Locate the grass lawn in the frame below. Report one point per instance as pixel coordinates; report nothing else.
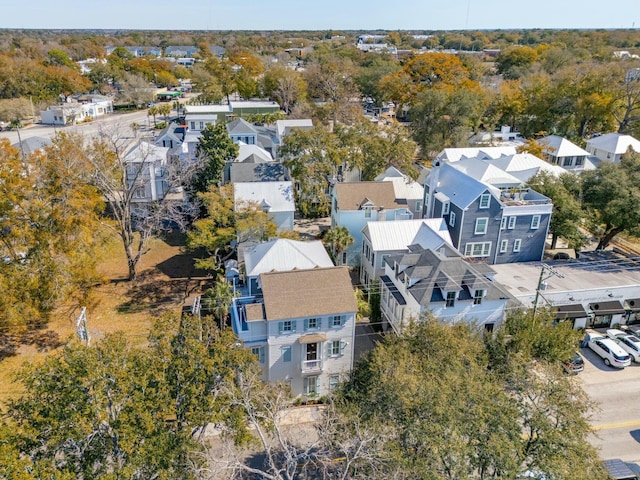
(166, 278)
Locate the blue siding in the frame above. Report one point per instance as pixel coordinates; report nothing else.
(474, 212)
(532, 240)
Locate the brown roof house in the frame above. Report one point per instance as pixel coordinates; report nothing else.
(301, 329)
(354, 204)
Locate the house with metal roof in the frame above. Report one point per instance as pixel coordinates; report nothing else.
(451, 289)
(611, 146)
(501, 223)
(280, 255)
(382, 239)
(301, 329)
(242, 131)
(353, 204)
(566, 154)
(405, 188)
(275, 198)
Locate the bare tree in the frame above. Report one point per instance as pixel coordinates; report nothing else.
(142, 187)
(285, 451)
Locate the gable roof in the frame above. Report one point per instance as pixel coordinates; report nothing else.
(284, 255)
(525, 165)
(399, 234)
(353, 195)
(461, 188)
(486, 172)
(32, 144)
(284, 126)
(434, 273)
(259, 154)
(278, 195)
(306, 293)
(483, 153)
(616, 143)
(561, 147)
(240, 127)
(403, 185)
(249, 171)
(146, 152)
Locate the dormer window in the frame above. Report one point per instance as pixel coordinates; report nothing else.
(478, 296)
(451, 299)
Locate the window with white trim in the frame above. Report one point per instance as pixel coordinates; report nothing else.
(516, 244)
(512, 223)
(481, 226)
(311, 385)
(445, 208)
(336, 348)
(287, 326)
(477, 249)
(504, 245)
(485, 200)
(334, 381)
(452, 219)
(419, 206)
(312, 324)
(367, 212)
(503, 223)
(336, 321)
(535, 222)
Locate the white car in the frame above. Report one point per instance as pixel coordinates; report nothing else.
(629, 343)
(611, 353)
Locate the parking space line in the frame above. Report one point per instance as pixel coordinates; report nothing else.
(630, 423)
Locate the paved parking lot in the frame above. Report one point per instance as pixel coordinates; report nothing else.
(617, 422)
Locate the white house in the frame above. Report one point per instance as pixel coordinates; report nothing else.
(147, 172)
(280, 255)
(76, 112)
(406, 189)
(611, 146)
(382, 239)
(302, 328)
(450, 288)
(353, 204)
(560, 151)
(598, 290)
(275, 198)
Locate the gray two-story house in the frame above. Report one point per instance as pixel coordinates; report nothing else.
(485, 222)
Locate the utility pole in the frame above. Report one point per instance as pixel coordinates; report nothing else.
(546, 272)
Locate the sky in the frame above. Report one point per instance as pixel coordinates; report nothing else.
(318, 15)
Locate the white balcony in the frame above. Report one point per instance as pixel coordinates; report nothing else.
(312, 366)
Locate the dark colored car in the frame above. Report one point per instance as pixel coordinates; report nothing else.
(574, 365)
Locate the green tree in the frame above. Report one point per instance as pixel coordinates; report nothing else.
(465, 418)
(49, 218)
(566, 218)
(515, 61)
(226, 221)
(338, 239)
(214, 150)
(285, 86)
(612, 198)
(445, 118)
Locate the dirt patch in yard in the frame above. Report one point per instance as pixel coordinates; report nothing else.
(166, 278)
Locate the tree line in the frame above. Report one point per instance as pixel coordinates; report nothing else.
(440, 402)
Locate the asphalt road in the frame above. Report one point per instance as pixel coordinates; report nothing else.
(616, 423)
(122, 121)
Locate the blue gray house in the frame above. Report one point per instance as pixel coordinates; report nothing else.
(494, 225)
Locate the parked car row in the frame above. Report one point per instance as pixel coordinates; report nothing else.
(617, 348)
